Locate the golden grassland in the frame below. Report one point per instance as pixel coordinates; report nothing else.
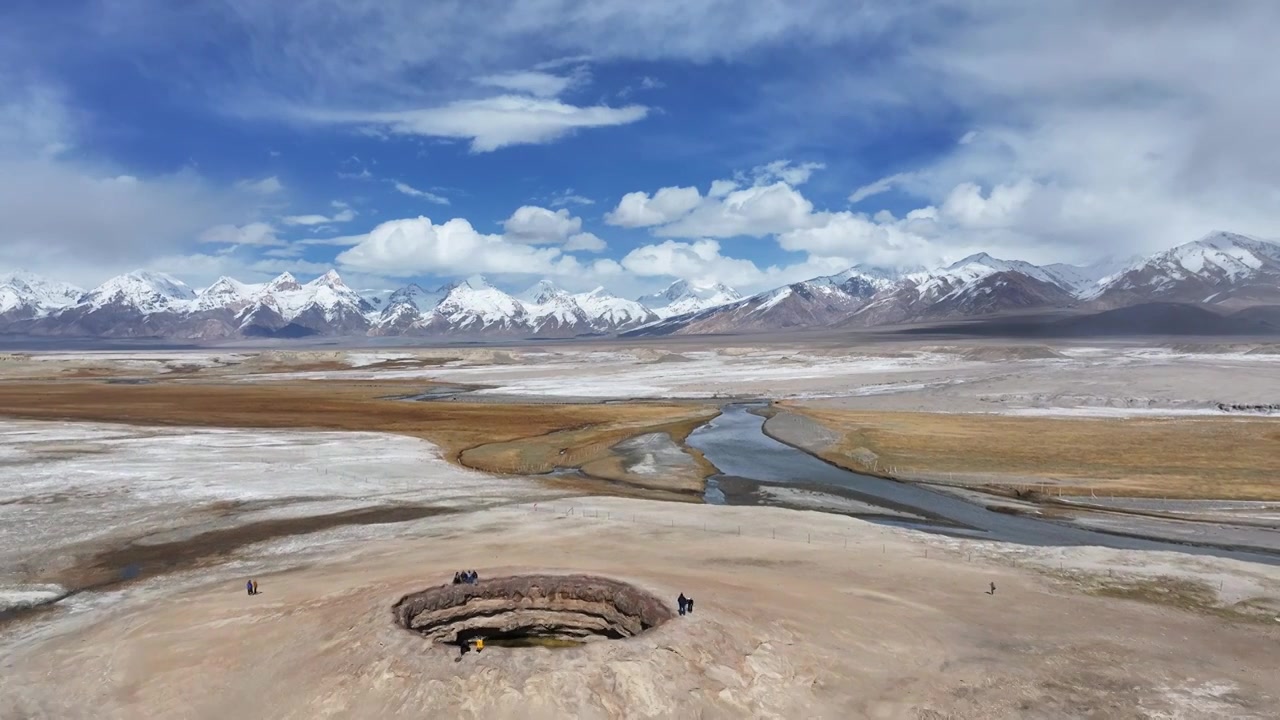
(1198, 457)
(501, 438)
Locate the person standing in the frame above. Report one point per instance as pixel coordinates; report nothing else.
(255, 587)
(248, 586)
(689, 604)
(682, 602)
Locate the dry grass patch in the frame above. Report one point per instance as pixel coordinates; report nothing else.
(1221, 458)
(1177, 592)
(585, 431)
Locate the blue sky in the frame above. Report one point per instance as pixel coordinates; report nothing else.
(754, 142)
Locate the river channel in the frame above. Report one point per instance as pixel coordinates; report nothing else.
(736, 444)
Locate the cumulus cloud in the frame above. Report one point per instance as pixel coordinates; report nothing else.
(407, 189)
(755, 211)
(702, 263)
(638, 209)
(417, 246)
(488, 123)
(539, 226)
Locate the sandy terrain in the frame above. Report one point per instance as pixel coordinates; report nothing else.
(339, 499)
(782, 629)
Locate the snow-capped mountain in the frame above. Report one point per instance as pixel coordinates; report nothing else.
(405, 309)
(681, 298)
(226, 293)
(553, 311)
(1221, 268)
(140, 290)
(325, 306)
(1081, 279)
(977, 285)
(608, 312)
(474, 306)
(812, 303)
(25, 295)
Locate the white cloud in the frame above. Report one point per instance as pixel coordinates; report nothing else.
(585, 242)
(637, 209)
(415, 246)
(701, 262)
(850, 238)
(265, 186)
(883, 185)
(755, 211)
(539, 226)
(345, 214)
(533, 224)
(569, 197)
(784, 171)
(256, 233)
(758, 203)
(489, 123)
(534, 82)
(411, 191)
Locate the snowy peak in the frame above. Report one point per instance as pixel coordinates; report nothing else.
(478, 282)
(24, 294)
(542, 293)
(225, 293)
(415, 296)
(682, 297)
(142, 290)
(1221, 268)
(330, 279)
(285, 282)
(474, 305)
(608, 312)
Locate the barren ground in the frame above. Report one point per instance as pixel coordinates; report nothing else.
(339, 499)
(783, 628)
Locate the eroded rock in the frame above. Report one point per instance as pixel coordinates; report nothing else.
(558, 607)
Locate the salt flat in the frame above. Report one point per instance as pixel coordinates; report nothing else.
(964, 376)
(79, 485)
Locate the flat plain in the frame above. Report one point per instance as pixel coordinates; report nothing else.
(143, 488)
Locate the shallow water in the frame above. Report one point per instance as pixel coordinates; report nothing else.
(735, 443)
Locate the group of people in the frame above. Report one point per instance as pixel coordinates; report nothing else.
(251, 586)
(465, 576)
(686, 604)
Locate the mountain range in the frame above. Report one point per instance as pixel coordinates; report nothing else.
(1224, 274)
